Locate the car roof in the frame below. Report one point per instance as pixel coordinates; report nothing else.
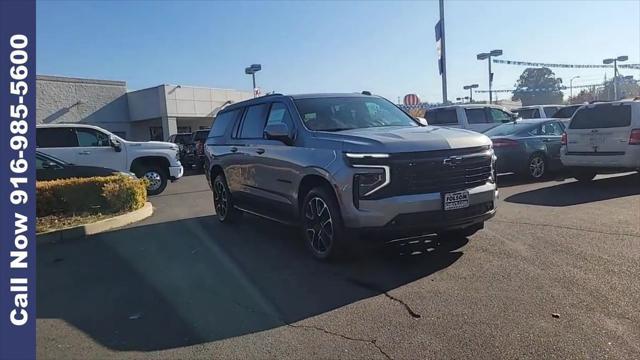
(63, 125)
(535, 121)
(272, 97)
(468, 106)
(537, 106)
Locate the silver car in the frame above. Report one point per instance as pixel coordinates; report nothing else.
(342, 165)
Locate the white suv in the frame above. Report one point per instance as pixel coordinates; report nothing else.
(91, 145)
(537, 111)
(475, 117)
(603, 137)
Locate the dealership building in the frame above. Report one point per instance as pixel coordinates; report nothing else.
(153, 113)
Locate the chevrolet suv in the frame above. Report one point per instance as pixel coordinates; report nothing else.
(340, 165)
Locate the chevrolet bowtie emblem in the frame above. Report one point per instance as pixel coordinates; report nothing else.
(452, 161)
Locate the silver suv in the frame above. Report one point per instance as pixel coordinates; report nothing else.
(340, 165)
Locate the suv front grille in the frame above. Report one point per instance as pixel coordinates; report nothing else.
(423, 173)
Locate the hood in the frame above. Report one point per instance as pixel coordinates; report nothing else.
(405, 139)
(162, 145)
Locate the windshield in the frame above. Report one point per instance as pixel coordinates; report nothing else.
(183, 139)
(344, 113)
(509, 129)
(566, 112)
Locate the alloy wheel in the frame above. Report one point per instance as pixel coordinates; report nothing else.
(318, 225)
(536, 167)
(220, 199)
(154, 178)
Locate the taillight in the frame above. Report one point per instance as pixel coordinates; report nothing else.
(634, 138)
(563, 139)
(504, 143)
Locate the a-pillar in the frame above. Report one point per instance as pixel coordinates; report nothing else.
(169, 127)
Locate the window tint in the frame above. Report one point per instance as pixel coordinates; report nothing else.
(476, 116)
(222, 123)
(39, 162)
(56, 137)
(566, 112)
(499, 116)
(442, 117)
(549, 129)
(200, 135)
(279, 114)
(91, 137)
(254, 121)
(602, 116)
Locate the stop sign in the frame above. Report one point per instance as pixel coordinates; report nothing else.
(411, 99)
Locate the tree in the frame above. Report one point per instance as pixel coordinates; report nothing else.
(538, 78)
(627, 87)
(585, 95)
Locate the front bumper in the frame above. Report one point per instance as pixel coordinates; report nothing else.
(425, 211)
(175, 172)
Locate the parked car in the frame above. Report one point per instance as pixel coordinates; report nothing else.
(199, 138)
(342, 164)
(476, 117)
(52, 168)
(529, 147)
(603, 138)
(537, 111)
(93, 146)
(186, 149)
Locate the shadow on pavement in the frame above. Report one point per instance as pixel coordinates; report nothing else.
(508, 180)
(574, 193)
(192, 281)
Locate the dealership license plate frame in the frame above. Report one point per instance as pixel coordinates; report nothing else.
(450, 202)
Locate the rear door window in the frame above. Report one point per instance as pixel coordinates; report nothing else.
(254, 122)
(499, 116)
(222, 123)
(529, 113)
(602, 116)
(550, 110)
(442, 117)
(476, 116)
(56, 137)
(92, 138)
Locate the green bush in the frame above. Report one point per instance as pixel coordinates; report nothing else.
(94, 195)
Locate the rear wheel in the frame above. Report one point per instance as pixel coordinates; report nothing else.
(322, 226)
(537, 168)
(156, 176)
(222, 201)
(585, 177)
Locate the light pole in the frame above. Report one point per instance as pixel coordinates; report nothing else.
(571, 86)
(470, 88)
(488, 56)
(252, 70)
(615, 72)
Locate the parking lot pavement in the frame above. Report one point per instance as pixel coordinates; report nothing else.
(553, 275)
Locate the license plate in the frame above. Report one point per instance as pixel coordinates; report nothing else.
(456, 200)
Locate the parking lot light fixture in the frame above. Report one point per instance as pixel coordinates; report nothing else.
(571, 85)
(615, 71)
(252, 70)
(488, 56)
(470, 88)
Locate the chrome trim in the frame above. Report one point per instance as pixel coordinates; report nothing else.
(387, 176)
(366, 155)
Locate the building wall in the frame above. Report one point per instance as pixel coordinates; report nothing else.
(70, 100)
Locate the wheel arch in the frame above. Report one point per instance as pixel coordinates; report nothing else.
(145, 161)
(309, 182)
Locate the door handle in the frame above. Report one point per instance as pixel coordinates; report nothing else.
(84, 152)
(233, 149)
(260, 151)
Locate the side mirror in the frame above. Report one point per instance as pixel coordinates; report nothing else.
(115, 144)
(422, 121)
(278, 131)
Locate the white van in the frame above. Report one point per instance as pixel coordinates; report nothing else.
(83, 144)
(476, 117)
(603, 138)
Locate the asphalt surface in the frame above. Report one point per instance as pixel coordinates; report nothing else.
(554, 275)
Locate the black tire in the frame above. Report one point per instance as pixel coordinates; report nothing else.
(157, 177)
(322, 228)
(461, 233)
(537, 167)
(585, 176)
(223, 202)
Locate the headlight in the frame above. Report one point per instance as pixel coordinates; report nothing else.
(367, 183)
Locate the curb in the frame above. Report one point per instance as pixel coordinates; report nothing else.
(58, 236)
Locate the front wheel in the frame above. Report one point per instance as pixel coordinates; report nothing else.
(322, 226)
(156, 177)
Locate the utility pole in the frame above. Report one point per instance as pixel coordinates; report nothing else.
(443, 52)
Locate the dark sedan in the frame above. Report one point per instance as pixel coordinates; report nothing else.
(530, 147)
(52, 168)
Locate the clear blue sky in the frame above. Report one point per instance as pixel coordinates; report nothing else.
(385, 47)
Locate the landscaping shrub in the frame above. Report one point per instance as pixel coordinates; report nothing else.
(94, 195)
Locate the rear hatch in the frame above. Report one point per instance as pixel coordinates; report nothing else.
(600, 129)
